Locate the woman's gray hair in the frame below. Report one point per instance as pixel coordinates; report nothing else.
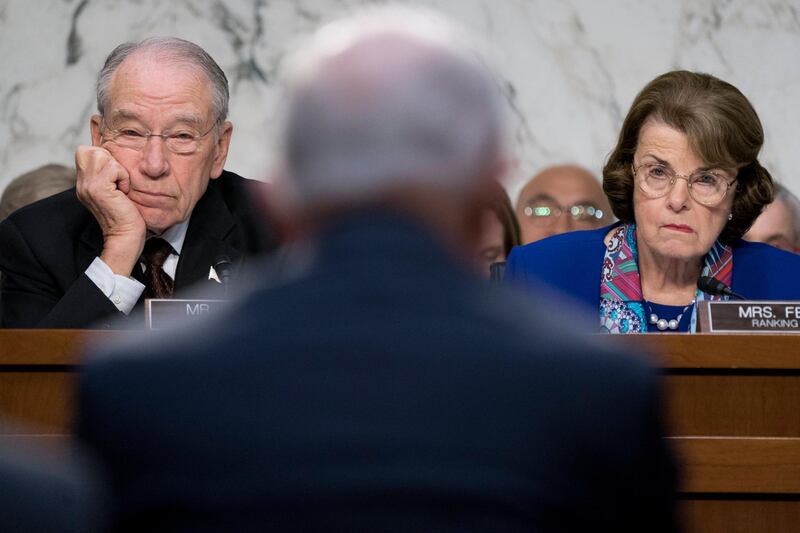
(172, 48)
(389, 98)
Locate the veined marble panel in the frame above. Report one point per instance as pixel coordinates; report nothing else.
(569, 68)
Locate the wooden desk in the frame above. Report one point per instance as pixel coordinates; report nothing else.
(38, 369)
(733, 413)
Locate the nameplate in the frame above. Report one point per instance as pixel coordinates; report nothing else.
(749, 317)
(167, 314)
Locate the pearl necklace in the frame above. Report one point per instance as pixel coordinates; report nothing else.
(662, 323)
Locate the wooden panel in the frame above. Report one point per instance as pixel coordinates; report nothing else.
(739, 465)
(49, 347)
(739, 516)
(727, 387)
(717, 351)
(43, 399)
(733, 405)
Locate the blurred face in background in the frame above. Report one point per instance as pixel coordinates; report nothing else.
(775, 226)
(561, 199)
(490, 246)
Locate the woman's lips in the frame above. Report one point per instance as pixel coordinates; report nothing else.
(682, 228)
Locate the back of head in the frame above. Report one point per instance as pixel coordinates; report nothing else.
(35, 185)
(385, 100)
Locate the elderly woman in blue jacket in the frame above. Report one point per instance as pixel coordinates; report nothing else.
(685, 183)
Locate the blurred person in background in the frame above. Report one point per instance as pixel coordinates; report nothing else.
(779, 224)
(382, 386)
(559, 199)
(499, 230)
(34, 185)
(685, 183)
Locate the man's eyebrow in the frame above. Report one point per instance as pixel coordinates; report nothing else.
(124, 113)
(539, 197)
(183, 118)
(189, 118)
(586, 202)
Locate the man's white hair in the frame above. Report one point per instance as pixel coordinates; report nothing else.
(389, 97)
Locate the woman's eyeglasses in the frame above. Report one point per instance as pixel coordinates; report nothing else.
(705, 187)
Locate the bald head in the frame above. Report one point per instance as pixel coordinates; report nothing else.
(569, 189)
(387, 100)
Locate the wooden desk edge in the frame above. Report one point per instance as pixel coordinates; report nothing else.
(60, 347)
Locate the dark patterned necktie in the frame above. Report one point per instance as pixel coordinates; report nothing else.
(157, 283)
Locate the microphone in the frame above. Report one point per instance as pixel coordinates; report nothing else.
(714, 286)
(223, 268)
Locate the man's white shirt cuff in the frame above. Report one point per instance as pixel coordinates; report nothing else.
(123, 291)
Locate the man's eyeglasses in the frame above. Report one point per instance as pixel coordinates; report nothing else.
(182, 141)
(705, 187)
(543, 213)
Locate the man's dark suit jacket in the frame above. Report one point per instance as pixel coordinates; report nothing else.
(385, 389)
(47, 492)
(46, 247)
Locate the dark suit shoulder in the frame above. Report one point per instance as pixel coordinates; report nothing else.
(244, 199)
(49, 229)
(62, 211)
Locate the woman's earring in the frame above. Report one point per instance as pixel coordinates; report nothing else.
(730, 216)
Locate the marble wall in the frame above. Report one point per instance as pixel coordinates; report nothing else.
(569, 68)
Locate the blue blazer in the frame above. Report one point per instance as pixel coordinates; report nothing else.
(571, 263)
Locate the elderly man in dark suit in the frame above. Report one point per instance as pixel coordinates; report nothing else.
(382, 386)
(153, 208)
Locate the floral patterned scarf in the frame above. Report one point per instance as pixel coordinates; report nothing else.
(621, 300)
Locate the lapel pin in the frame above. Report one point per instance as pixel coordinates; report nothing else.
(212, 274)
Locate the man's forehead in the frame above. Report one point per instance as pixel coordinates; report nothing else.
(149, 80)
(177, 116)
(563, 186)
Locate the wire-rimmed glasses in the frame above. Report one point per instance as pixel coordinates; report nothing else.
(183, 141)
(545, 213)
(706, 187)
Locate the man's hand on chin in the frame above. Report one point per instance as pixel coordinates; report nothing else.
(103, 186)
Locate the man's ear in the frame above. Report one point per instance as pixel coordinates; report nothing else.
(94, 128)
(221, 149)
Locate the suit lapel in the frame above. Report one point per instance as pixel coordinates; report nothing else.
(209, 227)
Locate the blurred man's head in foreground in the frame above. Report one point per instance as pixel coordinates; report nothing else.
(392, 107)
(559, 199)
